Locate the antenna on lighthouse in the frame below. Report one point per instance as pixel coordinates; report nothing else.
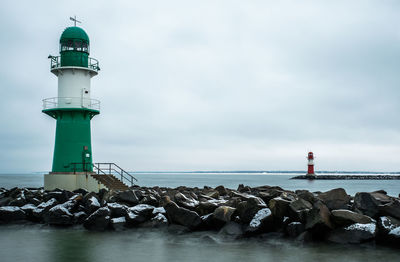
(74, 19)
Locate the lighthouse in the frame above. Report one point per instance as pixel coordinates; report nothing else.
(73, 109)
(310, 171)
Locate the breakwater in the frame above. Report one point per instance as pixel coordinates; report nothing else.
(349, 177)
(332, 216)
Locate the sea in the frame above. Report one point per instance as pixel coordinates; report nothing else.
(33, 242)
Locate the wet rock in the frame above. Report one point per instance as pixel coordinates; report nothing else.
(232, 230)
(279, 207)
(366, 203)
(185, 202)
(206, 207)
(182, 216)
(128, 196)
(318, 220)
(221, 190)
(11, 214)
(261, 222)
(353, 234)
(391, 209)
(335, 198)
(298, 209)
(247, 209)
(343, 217)
(223, 213)
(99, 220)
(294, 229)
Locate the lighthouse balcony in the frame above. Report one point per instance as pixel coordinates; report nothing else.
(80, 61)
(71, 102)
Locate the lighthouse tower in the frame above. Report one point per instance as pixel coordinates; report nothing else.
(72, 108)
(310, 172)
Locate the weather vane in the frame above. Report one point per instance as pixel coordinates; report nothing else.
(74, 19)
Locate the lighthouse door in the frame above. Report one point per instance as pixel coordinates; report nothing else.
(85, 97)
(86, 159)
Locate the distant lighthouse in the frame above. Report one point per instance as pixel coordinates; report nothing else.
(310, 171)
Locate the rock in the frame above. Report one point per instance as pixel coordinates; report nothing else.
(81, 191)
(221, 190)
(232, 230)
(150, 200)
(388, 230)
(318, 220)
(298, 209)
(92, 203)
(247, 209)
(182, 216)
(335, 198)
(294, 229)
(213, 194)
(60, 196)
(353, 234)
(79, 217)
(5, 201)
(185, 202)
(43, 208)
(117, 210)
(158, 221)
(11, 214)
(139, 214)
(279, 207)
(306, 195)
(206, 207)
(223, 213)
(159, 210)
(128, 196)
(343, 217)
(99, 220)
(118, 223)
(391, 209)
(382, 197)
(59, 215)
(261, 222)
(28, 209)
(19, 202)
(367, 204)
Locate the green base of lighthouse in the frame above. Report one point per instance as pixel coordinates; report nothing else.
(73, 147)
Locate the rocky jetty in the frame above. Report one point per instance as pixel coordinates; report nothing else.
(331, 216)
(348, 177)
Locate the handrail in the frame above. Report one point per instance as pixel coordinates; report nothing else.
(71, 102)
(114, 168)
(55, 62)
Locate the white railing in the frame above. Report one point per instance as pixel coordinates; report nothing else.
(71, 102)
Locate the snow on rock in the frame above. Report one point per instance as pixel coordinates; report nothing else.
(160, 218)
(259, 216)
(140, 208)
(159, 210)
(49, 203)
(61, 208)
(94, 202)
(118, 220)
(10, 208)
(371, 227)
(395, 232)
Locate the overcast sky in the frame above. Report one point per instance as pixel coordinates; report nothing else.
(212, 85)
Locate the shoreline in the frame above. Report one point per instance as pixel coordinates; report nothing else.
(332, 216)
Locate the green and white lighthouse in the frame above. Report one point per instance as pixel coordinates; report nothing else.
(73, 109)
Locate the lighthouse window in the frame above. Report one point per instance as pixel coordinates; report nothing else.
(78, 45)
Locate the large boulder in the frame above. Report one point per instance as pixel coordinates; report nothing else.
(306, 195)
(117, 210)
(186, 202)
(231, 230)
(99, 220)
(388, 230)
(28, 209)
(343, 217)
(128, 196)
(294, 229)
(318, 220)
(158, 220)
(247, 209)
(353, 234)
(298, 209)
(59, 215)
(261, 222)
(206, 207)
(279, 207)
(223, 213)
(335, 199)
(221, 190)
(138, 214)
(11, 214)
(391, 209)
(91, 202)
(366, 204)
(43, 208)
(182, 216)
(118, 223)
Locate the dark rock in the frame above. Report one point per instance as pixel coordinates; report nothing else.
(99, 220)
(117, 210)
(382, 197)
(223, 213)
(11, 214)
(306, 195)
(391, 209)
(138, 214)
(128, 196)
(91, 202)
(232, 229)
(79, 217)
(367, 204)
(43, 208)
(353, 234)
(261, 222)
(206, 207)
(294, 229)
(182, 216)
(318, 220)
(19, 202)
(5, 201)
(81, 191)
(59, 215)
(213, 194)
(186, 202)
(279, 207)
(247, 209)
(28, 209)
(60, 196)
(298, 209)
(221, 190)
(150, 200)
(343, 217)
(335, 198)
(118, 223)
(305, 237)
(102, 193)
(157, 221)
(388, 230)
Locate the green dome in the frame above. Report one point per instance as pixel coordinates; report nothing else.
(74, 32)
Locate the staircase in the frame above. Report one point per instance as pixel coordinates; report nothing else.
(110, 181)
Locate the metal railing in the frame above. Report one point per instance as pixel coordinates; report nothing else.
(55, 62)
(71, 102)
(114, 169)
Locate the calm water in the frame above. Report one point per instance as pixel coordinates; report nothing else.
(43, 243)
(230, 180)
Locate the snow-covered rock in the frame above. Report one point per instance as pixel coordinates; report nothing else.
(11, 214)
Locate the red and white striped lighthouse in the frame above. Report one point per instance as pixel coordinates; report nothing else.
(310, 158)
